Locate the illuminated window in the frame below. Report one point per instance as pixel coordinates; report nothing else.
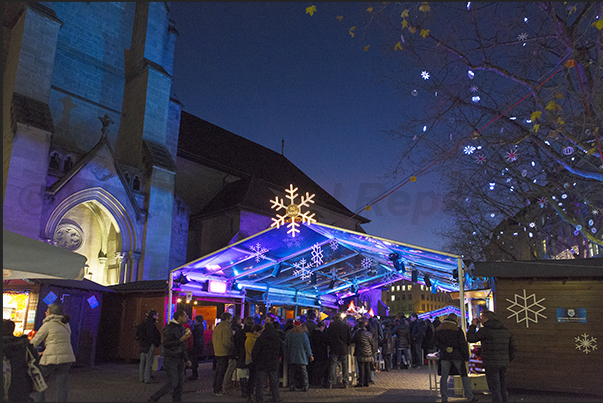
(409, 287)
(422, 287)
(403, 288)
(393, 297)
(393, 288)
(398, 288)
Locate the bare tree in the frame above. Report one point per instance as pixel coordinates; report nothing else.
(510, 110)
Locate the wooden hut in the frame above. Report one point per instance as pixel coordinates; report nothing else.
(554, 309)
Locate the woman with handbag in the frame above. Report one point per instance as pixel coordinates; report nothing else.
(58, 355)
(364, 353)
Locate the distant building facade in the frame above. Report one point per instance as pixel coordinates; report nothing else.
(405, 297)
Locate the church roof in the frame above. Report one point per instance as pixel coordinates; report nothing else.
(215, 147)
(249, 193)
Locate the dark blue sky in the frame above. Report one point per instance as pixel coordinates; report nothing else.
(269, 71)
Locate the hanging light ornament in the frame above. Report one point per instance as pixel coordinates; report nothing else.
(471, 74)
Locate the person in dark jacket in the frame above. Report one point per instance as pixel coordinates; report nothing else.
(364, 353)
(454, 351)
(310, 322)
(338, 336)
(429, 343)
(240, 337)
(318, 369)
(198, 345)
(15, 350)
(149, 337)
(175, 357)
(373, 325)
(298, 354)
(387, 346)
(265, 355)
(436, 322)
(417, 332)
(402, 344)
(498, 350)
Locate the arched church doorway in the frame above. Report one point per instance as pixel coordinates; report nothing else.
(92, 222)
(91, 230)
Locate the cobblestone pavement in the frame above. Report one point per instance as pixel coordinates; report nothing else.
(120, 383)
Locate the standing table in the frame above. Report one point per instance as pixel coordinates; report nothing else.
(432, 365)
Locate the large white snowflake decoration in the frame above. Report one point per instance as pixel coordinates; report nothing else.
(524, 306)
(425, 75)
(293, 211)
(259, 252)
(303, 269)
(586, 344)
(317, 258)
(334, 244)
(469, 150)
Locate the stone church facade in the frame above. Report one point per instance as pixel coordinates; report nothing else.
(100, 158)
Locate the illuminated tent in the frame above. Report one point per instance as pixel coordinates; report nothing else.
(24, 257)
(320, 265)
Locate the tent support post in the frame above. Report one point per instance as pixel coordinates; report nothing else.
(462, 295)
(170, 296)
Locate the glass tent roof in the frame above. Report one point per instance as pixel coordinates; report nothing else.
(321, 262)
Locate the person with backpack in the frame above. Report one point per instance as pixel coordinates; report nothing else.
(57, 356)
(17, 382)
(148, 337)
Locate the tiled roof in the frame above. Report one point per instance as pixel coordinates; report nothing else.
(249, 193)
(210, 145)
(31, 112)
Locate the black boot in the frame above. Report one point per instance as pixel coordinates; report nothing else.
(243, 387)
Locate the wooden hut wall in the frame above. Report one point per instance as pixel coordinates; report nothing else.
(121, 313)
(547, 356)
(84, 321)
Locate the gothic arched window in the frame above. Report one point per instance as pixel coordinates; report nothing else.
(55, 160)
(67, 164)
(136, 183)
(127, 178)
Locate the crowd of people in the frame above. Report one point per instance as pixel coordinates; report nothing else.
(253, 353)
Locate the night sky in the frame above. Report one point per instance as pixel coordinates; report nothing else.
(269, 71)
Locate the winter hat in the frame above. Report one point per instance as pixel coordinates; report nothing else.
(297, 323)
(452, 317)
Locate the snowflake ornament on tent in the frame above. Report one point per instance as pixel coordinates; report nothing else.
(367, 263)
(293, 211)
(390, 278)
(527, 307)
(542, 202)
(586, 344)
(480, 159)
(259, 252)
(333, 244)
(303, 269)
(522, 37)
(425, 75)
(317, 258)
(473, 88)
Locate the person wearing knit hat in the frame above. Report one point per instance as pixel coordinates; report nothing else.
(454, 352)
(296, 323)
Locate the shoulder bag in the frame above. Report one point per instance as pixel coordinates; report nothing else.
(39, 384)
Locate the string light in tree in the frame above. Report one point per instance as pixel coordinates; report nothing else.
(469, 149)
(293, 211)
(512, 156)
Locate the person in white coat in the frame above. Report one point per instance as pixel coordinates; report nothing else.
(57, 356)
